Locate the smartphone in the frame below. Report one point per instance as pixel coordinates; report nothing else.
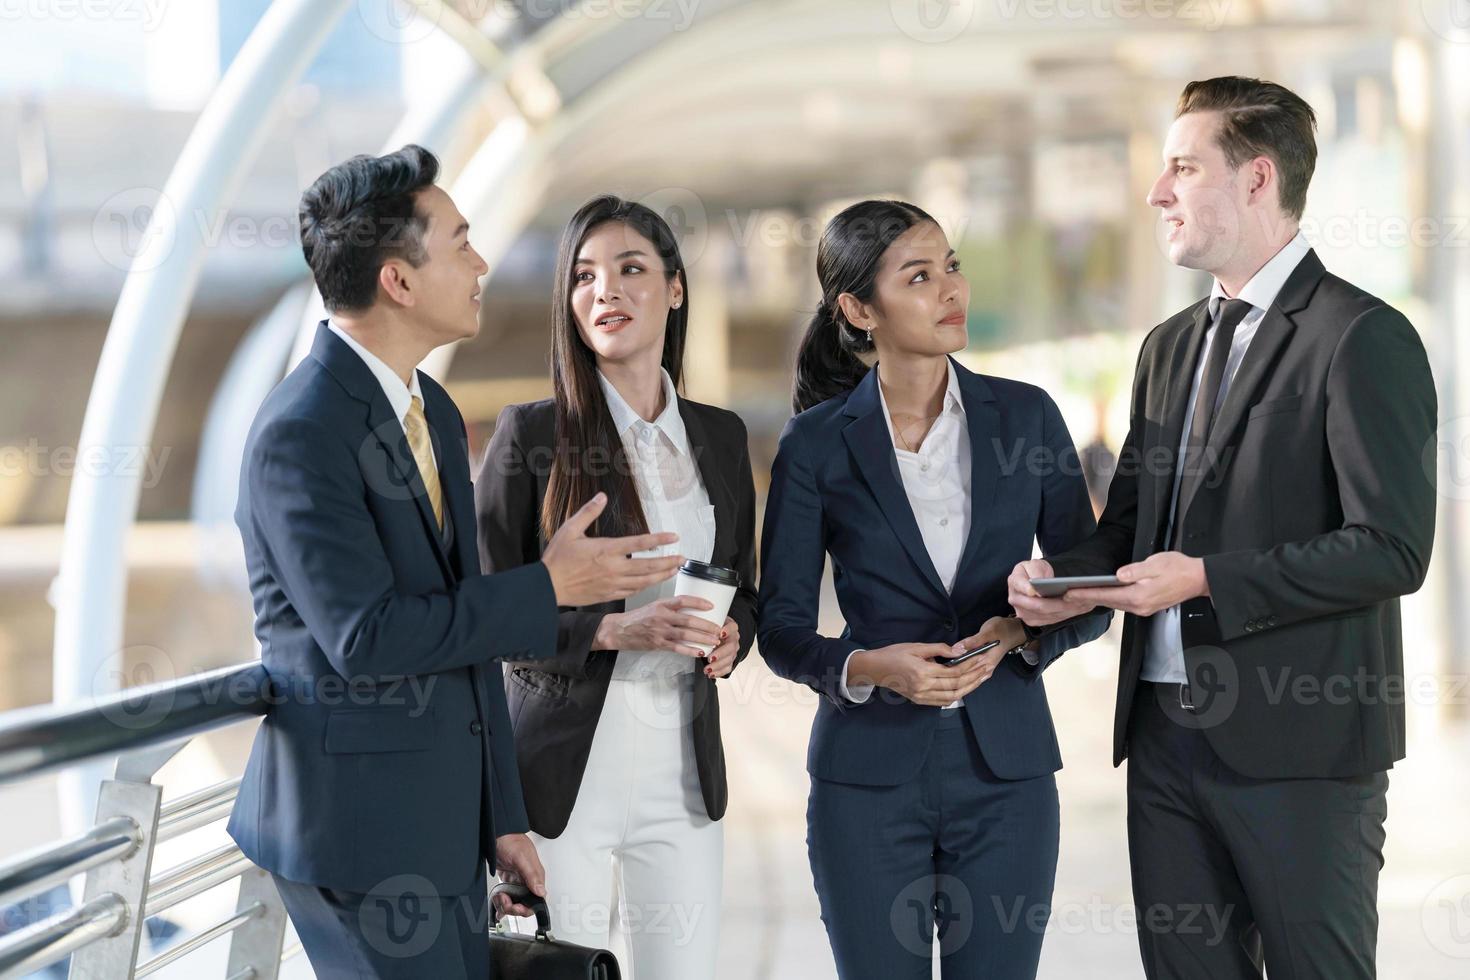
(1050, 588)
(951, 661)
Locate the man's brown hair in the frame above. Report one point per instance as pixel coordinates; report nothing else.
(1261, 119)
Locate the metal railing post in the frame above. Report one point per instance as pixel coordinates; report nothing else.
(256, 945)
(132, 794)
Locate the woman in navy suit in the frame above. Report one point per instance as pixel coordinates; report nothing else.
(933, 805)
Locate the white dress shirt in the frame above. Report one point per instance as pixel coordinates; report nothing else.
(674, 499)
(1163, 660)
(936, 479)
(400, 395)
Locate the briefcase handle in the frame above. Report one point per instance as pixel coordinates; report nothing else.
(522, 895)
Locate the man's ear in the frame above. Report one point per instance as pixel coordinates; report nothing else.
(1261, 176)
(394, 279)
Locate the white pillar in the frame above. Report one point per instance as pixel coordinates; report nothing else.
(1448, 291)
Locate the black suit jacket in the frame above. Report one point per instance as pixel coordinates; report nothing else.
(387, 749)
(555, 703)
(1316, 514)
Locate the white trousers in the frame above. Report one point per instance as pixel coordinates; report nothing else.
(640, 866)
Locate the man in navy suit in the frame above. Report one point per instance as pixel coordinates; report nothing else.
(384, 779)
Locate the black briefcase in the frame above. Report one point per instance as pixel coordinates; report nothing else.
(541, 957)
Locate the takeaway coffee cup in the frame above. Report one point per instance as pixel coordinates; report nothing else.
(707, 582)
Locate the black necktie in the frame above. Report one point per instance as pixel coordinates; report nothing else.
(1232, 311)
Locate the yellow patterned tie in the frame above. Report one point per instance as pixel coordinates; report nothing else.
(417, 430)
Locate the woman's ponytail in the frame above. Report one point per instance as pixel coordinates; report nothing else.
(827, 362)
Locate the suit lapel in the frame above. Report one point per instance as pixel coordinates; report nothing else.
(1271, 337)
(710, 470)
(394, 474)
(871, 447)
(984, 422)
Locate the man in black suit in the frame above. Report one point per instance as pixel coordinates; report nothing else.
(383, 780)
(1270, 508)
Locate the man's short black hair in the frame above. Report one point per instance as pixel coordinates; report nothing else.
(358, 215)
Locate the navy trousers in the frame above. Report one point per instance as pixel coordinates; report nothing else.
(406, 930)
(955, 854)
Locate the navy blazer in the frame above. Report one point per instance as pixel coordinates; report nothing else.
(387, 750)
(836, 490)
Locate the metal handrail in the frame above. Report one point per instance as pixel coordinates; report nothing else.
(40, 869)
(205, 807)
(50, 939)
(194, 877)
(37, 740)
(199, 800)
(199, 939)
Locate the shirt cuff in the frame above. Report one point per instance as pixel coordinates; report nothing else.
(858, 693)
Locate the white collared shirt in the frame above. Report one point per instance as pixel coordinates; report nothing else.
(674, 498)
(400, 395)
(936, 480)
(1163, 660)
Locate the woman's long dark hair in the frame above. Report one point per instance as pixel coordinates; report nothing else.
(827, 362)
(589, 453)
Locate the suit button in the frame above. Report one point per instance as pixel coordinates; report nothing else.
(476, 728)
(948, 625)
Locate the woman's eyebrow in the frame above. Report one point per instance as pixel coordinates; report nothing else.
(920, 261)
(621, 255)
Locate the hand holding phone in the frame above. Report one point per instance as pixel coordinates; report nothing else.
(953, 661)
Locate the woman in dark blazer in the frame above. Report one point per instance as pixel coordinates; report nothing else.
(618, 736)
(933, 803)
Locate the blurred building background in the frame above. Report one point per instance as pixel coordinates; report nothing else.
(1030, 128)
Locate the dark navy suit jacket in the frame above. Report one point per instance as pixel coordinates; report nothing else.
(835, 490)
(388, 748)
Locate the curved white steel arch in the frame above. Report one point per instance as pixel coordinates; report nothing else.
(91, 585)
(505, 216)
(122, 407)
(503, 159)
(255, 368)
(248, 378)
